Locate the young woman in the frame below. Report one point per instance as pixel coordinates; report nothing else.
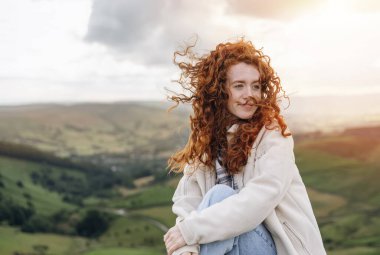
(241, 191)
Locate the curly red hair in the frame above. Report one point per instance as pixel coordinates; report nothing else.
(204, 78)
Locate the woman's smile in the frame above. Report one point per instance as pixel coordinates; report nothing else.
(247, 107)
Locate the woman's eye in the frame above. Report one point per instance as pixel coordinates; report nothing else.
(256, 86)
(238, 85)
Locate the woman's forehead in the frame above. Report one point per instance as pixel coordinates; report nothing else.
(242, 71)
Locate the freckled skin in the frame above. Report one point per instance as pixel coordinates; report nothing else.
(243, 83)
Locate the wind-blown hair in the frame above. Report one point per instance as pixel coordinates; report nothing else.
(204, 79)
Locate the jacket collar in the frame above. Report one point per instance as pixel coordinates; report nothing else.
(232, 129)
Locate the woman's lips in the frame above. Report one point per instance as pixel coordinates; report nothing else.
(247, 106)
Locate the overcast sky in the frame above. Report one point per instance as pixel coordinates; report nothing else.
(112, 50)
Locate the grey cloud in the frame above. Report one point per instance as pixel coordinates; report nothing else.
(148, 31)
(124, 26)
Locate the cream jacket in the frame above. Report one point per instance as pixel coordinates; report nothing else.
(271, 191)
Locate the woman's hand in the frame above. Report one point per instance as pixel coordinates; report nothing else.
(189, 253)
(174, 240)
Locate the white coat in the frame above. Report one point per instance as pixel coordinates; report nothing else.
(271, 191)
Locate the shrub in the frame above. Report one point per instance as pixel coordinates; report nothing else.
(37, 223)
(93, 224)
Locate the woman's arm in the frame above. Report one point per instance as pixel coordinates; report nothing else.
(244, 211)
(186, 199)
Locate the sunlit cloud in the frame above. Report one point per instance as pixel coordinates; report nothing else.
(272, 9)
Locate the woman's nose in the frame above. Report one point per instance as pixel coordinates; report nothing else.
(248, 92)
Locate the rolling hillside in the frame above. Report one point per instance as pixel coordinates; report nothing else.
(111, 134)
(344, 169)
(86, 129)
(134, 234)
(18, 186)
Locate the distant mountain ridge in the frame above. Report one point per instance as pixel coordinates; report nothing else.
(120, 133)
(87, 129)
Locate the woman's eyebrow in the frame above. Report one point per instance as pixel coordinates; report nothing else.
(242, 81)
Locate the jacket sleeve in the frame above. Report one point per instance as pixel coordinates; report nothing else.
(186, 199)
(244, 211)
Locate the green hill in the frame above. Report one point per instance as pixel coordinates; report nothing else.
(19, 186)
(92, 129)
(345, 167)
(126, 235)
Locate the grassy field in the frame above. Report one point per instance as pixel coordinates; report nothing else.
(45, 202)
(155, 195)
(132, 231)
(325, 203)
(115, 241)
(13, 240)
(356, 251)
(161, 213)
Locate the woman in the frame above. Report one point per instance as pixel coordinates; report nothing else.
(241, 192)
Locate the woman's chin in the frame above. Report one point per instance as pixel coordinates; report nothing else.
(245, 116)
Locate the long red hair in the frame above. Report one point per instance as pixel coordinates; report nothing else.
(204, 79)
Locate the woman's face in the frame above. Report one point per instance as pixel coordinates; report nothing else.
(243, 83)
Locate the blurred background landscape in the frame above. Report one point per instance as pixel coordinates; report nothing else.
(91, 178)
(85, 134)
